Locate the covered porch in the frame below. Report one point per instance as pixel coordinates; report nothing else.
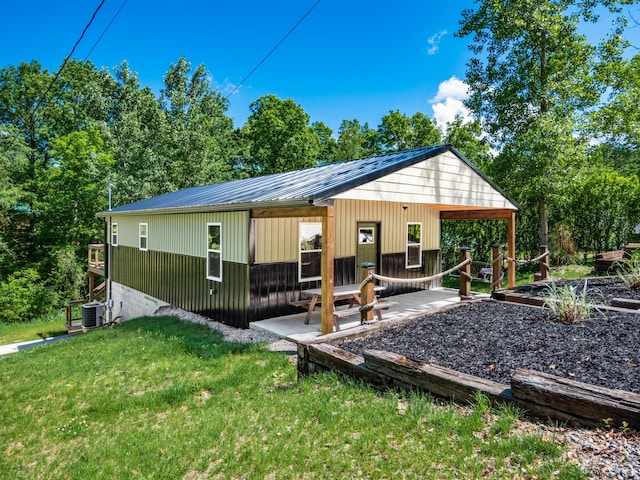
(293, 328)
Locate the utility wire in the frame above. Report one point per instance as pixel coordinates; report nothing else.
(105, 30)
(235, 89)
(37, 105)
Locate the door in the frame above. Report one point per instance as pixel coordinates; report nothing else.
(368, 250)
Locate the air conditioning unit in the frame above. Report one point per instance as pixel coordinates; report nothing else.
(92, 314)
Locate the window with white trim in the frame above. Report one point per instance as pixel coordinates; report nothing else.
(143, 236)
(114, 234)
(414, 245)
(214, 251)
(310, 251)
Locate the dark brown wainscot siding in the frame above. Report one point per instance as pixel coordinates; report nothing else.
(181, 281)
(394, 265)
(275, 285)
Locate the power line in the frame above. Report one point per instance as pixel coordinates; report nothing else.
(105, 30)
(272, 50)
(36, 106)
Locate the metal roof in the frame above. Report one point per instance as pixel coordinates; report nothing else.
(311, 186)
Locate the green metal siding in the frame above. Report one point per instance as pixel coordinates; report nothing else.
(181, 281)
(185, 234)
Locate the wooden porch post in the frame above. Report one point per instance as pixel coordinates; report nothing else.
(465, 280)
(328, 253)
(496, 268)
(544, 263)
(511, 250)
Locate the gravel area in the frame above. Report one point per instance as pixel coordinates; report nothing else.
(232, 334)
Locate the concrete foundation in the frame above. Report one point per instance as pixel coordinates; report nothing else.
(129, 303)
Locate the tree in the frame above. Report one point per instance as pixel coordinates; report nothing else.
(532, 72)
(76, 189)
(469, 140)
(199, 133)
(354, 141)
(607, 209)
(134, 135)
(278, 138)
(398, 132)
(327, 142)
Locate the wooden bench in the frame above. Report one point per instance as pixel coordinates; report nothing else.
(349, 312)
(608, 260)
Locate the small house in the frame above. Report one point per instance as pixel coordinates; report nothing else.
(243, 250)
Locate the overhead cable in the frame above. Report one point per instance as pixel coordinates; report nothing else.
(272, 50)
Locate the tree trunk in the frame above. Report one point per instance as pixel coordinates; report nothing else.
(544, 221)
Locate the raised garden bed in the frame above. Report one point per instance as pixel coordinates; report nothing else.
(585, 372)
(610, 291)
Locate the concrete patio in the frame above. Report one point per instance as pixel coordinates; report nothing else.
(293, 328)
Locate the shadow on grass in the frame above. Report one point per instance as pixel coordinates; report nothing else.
(51, 333)
(192, 339)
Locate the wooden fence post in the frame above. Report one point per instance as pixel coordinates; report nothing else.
(544, 263)
(496, 267)
(366, 292)
(465, 280)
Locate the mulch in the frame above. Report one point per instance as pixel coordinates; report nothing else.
(491, 339)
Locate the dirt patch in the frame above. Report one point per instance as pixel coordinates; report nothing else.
(492, 339)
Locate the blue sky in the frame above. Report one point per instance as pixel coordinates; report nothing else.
(347, 59)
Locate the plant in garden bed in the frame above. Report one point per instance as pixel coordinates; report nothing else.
(630, 272)
(570, 303)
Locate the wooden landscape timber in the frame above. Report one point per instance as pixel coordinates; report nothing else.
(542, 395)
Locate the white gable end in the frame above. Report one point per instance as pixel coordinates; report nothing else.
(442, 180)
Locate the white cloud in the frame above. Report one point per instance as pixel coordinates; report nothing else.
(434, 42)
(448, 102)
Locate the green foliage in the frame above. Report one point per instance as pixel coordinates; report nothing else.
(569, 303)
(535, 81)
(354, 141)
(23, 297)
(278, 137)
(398, 132)
(607, 207)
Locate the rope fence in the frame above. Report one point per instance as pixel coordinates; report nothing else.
(381, 278)
(496, 265)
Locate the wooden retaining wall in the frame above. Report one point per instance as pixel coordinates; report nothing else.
(542, 395)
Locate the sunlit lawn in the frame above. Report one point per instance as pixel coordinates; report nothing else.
(158, 398)
(50, 326)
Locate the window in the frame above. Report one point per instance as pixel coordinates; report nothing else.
(414, 245)
(143, 236)
(114, 234)
(310, 255)
(365, 236)
(214, 251)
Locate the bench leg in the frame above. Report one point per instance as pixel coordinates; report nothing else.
(312, 307)
(336, 323)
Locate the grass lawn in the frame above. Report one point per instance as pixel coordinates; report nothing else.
(50, 326)
(158, 398)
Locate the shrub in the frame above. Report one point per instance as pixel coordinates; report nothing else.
(570, 303)
(23, 297)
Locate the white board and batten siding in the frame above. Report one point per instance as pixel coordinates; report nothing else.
(186, 233)
(442, 180)
(276, 239)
